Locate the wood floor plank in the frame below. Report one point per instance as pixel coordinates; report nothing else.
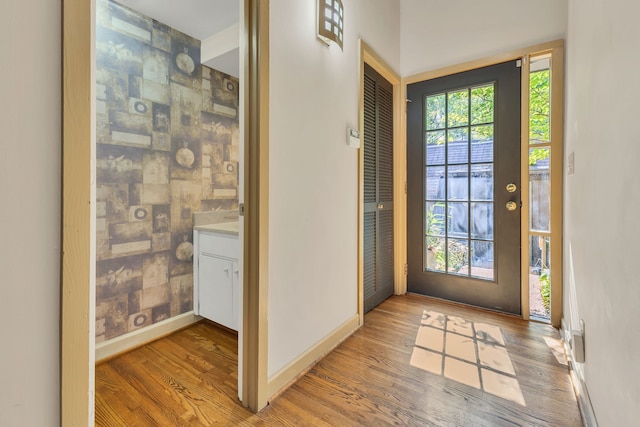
(190, 378)
(209, 402)
(138, 409)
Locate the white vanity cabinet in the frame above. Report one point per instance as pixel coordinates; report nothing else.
(216, 275)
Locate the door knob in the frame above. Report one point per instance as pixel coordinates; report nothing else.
(511, 205)
(511, 188)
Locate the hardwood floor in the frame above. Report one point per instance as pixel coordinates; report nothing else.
(414, 362)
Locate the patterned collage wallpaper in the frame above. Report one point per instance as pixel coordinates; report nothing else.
(167, 146)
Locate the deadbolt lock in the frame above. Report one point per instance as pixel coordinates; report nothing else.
(511, 188)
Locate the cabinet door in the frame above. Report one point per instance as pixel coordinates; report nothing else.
(215, 280)
(237, 304)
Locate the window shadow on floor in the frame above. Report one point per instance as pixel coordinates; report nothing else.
(470, 353)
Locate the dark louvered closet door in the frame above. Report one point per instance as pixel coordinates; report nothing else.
(378, 188)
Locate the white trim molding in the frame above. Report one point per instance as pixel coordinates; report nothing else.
(108, 349)
(298, 367)
(576, 373)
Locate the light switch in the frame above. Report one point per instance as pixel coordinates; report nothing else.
(353, 138)
(571, 164)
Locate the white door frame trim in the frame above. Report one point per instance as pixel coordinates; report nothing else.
(77, 368)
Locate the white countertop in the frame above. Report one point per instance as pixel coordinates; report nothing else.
(224, 227)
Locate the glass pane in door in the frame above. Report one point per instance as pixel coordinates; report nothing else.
(539, 189)
(482, 259)
(540, 101)
(540, 276)
(459, 178)
(541, 153)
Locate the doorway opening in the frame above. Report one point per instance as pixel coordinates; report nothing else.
(79, 210)
(168, 159)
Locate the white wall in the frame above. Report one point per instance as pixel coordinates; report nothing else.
(602, 201)
(30, 128)
(438, 33)
(313, 174)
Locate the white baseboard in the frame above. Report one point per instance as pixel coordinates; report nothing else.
(300, 365)
(121, 344)
(579, 385)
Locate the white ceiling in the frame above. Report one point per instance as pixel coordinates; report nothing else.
(197, 18)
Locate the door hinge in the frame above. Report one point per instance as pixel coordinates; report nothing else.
(406, 269)
(405, 187)
(241, 209)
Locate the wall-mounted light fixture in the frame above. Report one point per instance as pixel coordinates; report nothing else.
(331, 21)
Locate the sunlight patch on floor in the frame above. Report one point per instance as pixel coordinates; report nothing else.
(557, 348)
(470, 353)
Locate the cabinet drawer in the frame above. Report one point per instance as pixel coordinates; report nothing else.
(225, 245)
